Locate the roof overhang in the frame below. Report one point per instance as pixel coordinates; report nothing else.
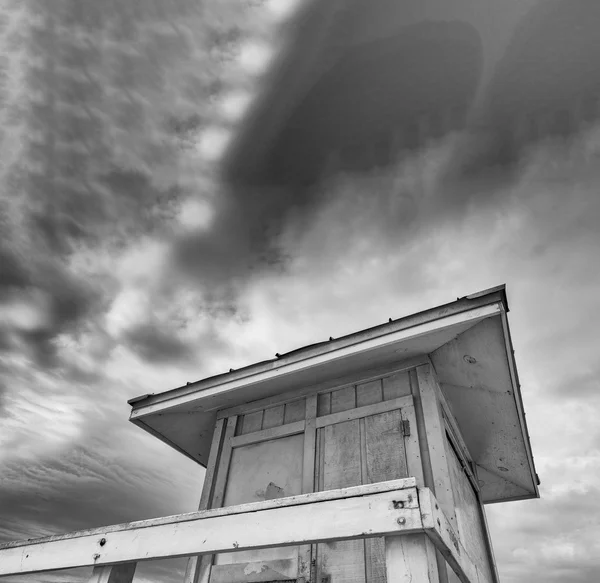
(482, 390)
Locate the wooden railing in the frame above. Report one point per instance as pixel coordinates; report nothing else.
(387, 509)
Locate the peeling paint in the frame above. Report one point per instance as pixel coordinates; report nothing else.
(271, 492)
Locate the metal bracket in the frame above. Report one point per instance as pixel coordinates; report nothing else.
(405, 427)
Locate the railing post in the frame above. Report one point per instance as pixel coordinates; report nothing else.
(410, 558)
(122, 573)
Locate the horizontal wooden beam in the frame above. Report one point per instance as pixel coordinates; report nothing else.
(267, 434)
(389, 508)
(357, 512)
(365, 411)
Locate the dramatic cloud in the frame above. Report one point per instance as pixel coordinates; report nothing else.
(127, 266)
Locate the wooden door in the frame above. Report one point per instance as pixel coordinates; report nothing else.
(259, 471)
(359, 451)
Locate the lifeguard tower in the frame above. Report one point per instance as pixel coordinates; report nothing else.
(366, 458)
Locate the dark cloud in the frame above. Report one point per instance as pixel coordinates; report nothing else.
(156, 342)
(547, 85)
(294, 137)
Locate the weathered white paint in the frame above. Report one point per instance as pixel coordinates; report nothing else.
(365, 411)
(339, 514)
(389, 508)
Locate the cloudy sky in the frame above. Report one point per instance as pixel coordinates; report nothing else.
(123, 269)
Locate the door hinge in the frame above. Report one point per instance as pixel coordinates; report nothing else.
(405, 427)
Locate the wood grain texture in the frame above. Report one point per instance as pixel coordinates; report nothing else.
(295, 411)
(228, 529)
(323, 404)
(447, 541)
(396, 385)
(223, 466)
(393, 485)
(198, 569)
(410, 559)
(343, 399)
(360, 377)
(268, 434)
(369, 393)
(468, 514)
(264, 471)
(385, 460)
(365, 411)
(306, 552)
(343, 562)
(436, 438)
(386, 457)
(411, 444)
(251, 422)
(273, 417)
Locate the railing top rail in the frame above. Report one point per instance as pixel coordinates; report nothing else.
(299, 500)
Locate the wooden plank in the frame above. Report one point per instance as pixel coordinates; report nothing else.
(410, 558)
(267, 434)
(251, 422)
(226, 449)
(362, 376)
(310, 436)
(396, 385)
(122, 573)
(198, 569)
(369, 393)
(305, 552)
(343, 399)
(488, 540)
(439, 529)
(464, 459)
(385, 459)
(455, 433)
(364, 471)
(323, 404)
(343, 561)
(236, 529)
(364, 411)
(451, 420)
(436, 437)
(211, 467)
(423, 429)
(363, 490)
(273, 417)
(295, 411)
(468, 516)
(412, 446)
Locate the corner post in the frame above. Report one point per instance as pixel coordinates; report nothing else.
(198, 567)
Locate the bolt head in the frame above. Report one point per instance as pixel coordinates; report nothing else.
(401, 521)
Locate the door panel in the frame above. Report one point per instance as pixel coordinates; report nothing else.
(342, 561)
(361, 451)
(262, 471)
